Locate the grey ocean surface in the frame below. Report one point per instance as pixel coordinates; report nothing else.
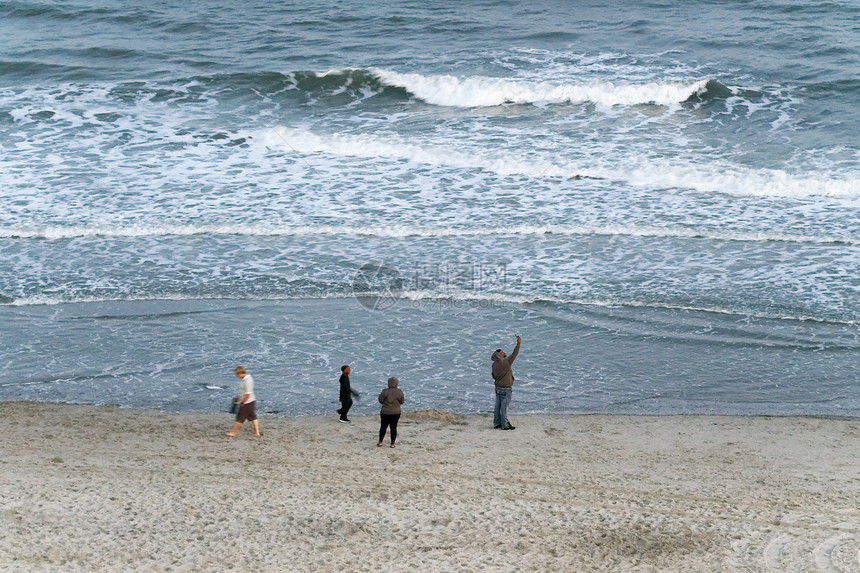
(661, 198)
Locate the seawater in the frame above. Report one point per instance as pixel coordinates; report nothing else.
(662, 198)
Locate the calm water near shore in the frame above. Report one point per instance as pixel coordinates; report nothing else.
(178, 355)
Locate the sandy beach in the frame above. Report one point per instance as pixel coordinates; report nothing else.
(88, 488)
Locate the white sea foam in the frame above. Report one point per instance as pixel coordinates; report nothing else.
(697, 174)
(397, 231)
(721, 177)
(52, 300)
(446, 90)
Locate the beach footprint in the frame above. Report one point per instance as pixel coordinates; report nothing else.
(553, 432)
(812, 551)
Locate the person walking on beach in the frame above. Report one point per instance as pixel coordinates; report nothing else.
(247, 403)
(346, 393)
(391, 398)
(503, 376)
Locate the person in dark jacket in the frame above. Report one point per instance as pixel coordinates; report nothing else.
(391, 398)
(346, 393)
(503, 376)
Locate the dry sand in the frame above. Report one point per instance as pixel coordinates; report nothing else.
(90, 489)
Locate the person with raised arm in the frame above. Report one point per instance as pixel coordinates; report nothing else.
(503, 377)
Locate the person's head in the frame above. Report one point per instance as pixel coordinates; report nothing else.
(501, 353)
(393, 382)
(346, 369)
(240, 371)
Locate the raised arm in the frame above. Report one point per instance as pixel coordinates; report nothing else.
(516, 351)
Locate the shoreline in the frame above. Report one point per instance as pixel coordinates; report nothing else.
(104, 488)
(263, 414)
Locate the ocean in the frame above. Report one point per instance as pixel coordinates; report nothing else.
(662, 198)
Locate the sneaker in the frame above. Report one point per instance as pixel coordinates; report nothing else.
(379, 445)
(497, 427)
(509, 427)
(342, 421)
(392, 445)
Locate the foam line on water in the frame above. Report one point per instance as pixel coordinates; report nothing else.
(399, 231)
(501, 298)
(710, 177)
(480, 299)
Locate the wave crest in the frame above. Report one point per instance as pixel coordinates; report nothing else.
(451, 91)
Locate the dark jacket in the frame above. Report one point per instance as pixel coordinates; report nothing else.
(503, 374)
(345, 390)
(391, 398)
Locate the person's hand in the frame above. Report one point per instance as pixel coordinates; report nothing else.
(519, 340)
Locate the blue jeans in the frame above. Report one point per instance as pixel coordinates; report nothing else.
(500, 412)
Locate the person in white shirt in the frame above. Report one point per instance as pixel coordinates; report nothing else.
(247, 403)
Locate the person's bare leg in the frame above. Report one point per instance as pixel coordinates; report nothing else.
(232, 433)
(256, 427)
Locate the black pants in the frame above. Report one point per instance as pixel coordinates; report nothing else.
(389, 420)
(344, 408)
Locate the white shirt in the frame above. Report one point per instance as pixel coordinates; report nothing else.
(246, 386)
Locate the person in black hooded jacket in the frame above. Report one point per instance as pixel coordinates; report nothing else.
(346, 393)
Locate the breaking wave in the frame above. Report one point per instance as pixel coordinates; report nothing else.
(451, 91)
